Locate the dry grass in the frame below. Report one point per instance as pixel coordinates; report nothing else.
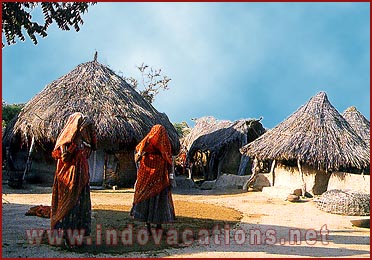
(189, 215)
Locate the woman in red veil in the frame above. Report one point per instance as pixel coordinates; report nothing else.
(71, 204)
(152, 201)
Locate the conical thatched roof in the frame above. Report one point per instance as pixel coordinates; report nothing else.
(317, 135)
(211, 134)
(358, 122)
(121, 116)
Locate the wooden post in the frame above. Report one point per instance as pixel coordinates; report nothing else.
(255, 171)
(104, 171)
(303, 187)
(189, 169)
(29, 159)
(272, 173)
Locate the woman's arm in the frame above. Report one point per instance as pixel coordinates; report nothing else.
(67, 152)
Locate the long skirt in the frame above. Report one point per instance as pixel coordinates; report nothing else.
(79, 217)
(158, 209)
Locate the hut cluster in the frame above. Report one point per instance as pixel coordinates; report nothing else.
(304, 150)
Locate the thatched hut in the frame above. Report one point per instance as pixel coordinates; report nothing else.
(310, 144)
(345, 180)
(358, 122)
(122, 118)
(213, 146)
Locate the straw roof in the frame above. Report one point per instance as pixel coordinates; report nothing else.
(317, 135)
(203, 125)
(121, 116)
(358, 122)
(213, 135)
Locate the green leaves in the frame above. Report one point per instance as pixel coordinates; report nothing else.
(9, 111)
(17, 18)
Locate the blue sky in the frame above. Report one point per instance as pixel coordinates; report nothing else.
(227, 60)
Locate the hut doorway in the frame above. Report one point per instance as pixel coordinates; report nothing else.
(119, 169)
(199, 165)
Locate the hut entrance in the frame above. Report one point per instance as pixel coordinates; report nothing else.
(14, 167)
(119, 169)
(232, 161)
(18, 164)
(199, 165)
(96, 167)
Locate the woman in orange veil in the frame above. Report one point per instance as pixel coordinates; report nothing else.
(71, 205)
(152, 201)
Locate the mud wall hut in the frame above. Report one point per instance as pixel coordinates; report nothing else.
(345, 180)
(122, 117)
(213, 146)
(309, 145)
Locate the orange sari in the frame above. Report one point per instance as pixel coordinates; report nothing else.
(71, 176)
(152, 175)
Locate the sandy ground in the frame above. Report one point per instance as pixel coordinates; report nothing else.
(328, 235)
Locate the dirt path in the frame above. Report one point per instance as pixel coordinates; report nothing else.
(276, 219)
